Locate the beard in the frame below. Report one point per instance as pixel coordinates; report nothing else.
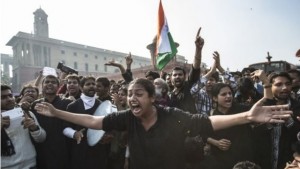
(281, 98)
(178, 84)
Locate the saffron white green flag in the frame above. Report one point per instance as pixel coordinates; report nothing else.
(165, 46)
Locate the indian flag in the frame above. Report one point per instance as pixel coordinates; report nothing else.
(165, 46)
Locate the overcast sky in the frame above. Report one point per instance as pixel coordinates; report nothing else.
(243, 31)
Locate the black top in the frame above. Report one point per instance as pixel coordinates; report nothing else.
(264, 139)
(127, 76)
(52, 153)
(241, 138)
(162, 146)
(83, 156)
(184, 99)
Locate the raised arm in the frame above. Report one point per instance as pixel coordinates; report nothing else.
(218, 62)
(266, 84)
(113, 63)
(38, 79)
(213, 68)
(89, 121)
(258, 113)
(195, 70)
(128, 74)
(129, 61)
(199, 42)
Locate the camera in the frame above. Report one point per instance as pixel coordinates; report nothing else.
(66, 69)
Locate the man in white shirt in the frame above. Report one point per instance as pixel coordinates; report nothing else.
(17, 150)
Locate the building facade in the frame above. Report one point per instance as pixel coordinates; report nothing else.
(32, 52)
(6, 68)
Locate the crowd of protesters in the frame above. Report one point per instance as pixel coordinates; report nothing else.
(170, 120)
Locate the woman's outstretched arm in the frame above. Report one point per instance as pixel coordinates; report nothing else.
(258, 113)
(89, 121)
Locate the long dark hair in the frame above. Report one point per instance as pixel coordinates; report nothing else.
(216, 88)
